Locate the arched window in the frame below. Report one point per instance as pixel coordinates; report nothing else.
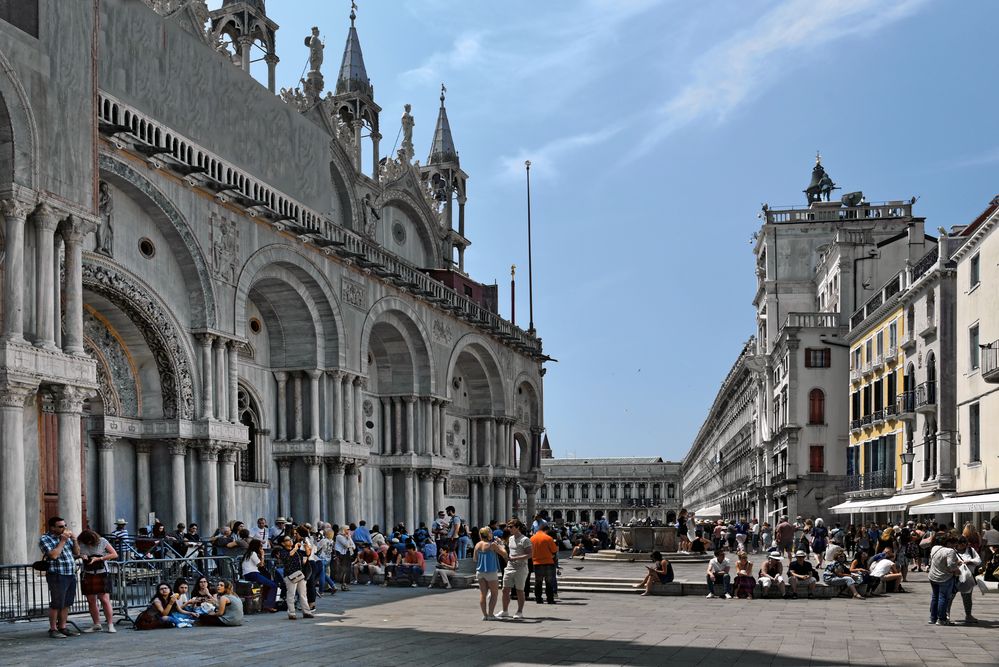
(671, 490)
(816, 407)
(585, 490)
(599, 491)
(627, 490)
(570, 491)
(544, 492)
(248, 464)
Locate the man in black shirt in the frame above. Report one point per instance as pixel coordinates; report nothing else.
(801, 572)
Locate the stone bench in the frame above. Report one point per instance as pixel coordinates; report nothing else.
(701, 588)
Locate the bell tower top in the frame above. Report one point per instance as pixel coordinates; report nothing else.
(442, 149)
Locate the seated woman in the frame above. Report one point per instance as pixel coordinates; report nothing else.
(251, 568)
(230, 608)
(157, 614)
(182, 616)
(579, 549)
(699, 545)
(772, 573)
(745, 584)
(838, 574)
(860, 568)
(447, 565)
(660, 572)
(203, 599)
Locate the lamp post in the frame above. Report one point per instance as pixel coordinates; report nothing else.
(530, 262)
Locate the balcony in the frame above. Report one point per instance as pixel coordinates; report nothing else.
(855, 425)
(926, 397)
(867, 421)
(879, 363)
(855, 375)
(905, 405)
(878, 480)
(909, 342)
(878, 417)
(990, 361)
(891, 356)
(891, 410)
(868, 369)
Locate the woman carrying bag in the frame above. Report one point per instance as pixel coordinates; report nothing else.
(293, 557)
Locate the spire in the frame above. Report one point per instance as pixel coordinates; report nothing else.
(442, 149)
(353, 77)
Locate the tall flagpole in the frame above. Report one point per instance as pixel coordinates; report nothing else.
(530, 261)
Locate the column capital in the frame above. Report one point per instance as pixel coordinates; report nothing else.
(314, 373)
(14, 395)
(271, 59)
(313, 460)
(425, 474)
(228, 454)
(107, 442)
(15, 209)
(209, 451)
(280, 376)
(46, 217)
(336, 465)
(335, 373)
(235, 346)
(537, 430)
(143, 447)
(433, 400)
(284, 464)
(358, 380)
(69, 399)
(74, 229)
(178, 447)
(363, 381)
(409, 399)
(206, 339)
(408, 472)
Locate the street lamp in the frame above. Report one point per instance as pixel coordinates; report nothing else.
(907, 457)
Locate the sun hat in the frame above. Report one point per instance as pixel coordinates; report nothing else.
(799, 553)
(120, 522)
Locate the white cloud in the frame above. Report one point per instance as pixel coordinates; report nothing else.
(742, 67)
(544, 159)
(464, 52)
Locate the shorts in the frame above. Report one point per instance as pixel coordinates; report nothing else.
(515, 578)
(372, 569)
(62, 590)
(487, 576)
(95, 583)
(804, 582)
(767, 581)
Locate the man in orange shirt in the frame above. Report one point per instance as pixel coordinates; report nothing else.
(544, 551)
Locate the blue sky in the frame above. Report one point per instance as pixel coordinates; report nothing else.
(656, 129)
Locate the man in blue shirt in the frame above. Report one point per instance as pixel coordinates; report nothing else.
(452, 535)
(59, 549)
(361, 534)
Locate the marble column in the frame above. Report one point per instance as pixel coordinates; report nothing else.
(499, 500)
(442, 439)
(208, 453)
(435, 427)
(409, 499)
(488, 510)
(143, 489)
(15, 213)
(352, 496)
(45, 225)
(227, 484)
(389, 518)
(338, 506)
(438, 491)
(386, 426)
(314, 433)
(473, 502)
(313, 516)
(272, 61)
(106, 481)
(504, 442)
(178, 481)
(282, 404)
(426, 498)
(284, 487)
(348, 407)
(359, 384)
(509, 498)
(57, 290)
(337, 378)
(397, 447)
(73, 233)
(410, 425)
(14, 545)
(427, 410)
(296, 388)
(473, 441)
(221, 382)
(69, 410)
(233, 348)
(488, 441)
(207, 407)
(531, 494)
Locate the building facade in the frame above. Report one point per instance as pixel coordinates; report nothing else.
(619, 489)
(223, 303)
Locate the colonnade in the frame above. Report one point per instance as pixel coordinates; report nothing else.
(219, 377)
(491, 441)
(490, 498)
(413, 425)
(344, 415)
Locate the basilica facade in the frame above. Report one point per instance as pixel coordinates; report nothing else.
(223, 301)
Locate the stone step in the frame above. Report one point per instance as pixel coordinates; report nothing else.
(692, 588)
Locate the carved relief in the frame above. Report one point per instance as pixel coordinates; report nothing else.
(457, 486)
(442, 332)
(369, 408)
(225, 248)
(353, 292)
(117, 383)
(105, 231)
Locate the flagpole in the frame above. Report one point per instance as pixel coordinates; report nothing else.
(530, 261)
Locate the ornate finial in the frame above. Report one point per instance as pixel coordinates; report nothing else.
(353, 12)
(443, 92)
(818, 158)
(527, 163)
(513, 270)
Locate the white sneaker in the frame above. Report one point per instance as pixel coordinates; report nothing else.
(728, 597)
(502, 614)
(485, 618)
(518, 616)
(710, 596)
(96, 627)
(111, 628)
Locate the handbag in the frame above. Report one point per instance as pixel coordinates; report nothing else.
(41, 565)
(295, 577)
(927, 541)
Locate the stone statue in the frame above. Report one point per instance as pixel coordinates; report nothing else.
(407, 132)
(371, 216)
(315, 50)
(105, 232)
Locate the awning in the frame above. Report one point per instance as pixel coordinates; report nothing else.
(897, 503)
(986, 502)
(709, 512)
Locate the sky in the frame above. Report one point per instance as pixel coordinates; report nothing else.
(656, 129)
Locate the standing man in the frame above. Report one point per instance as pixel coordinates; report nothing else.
(262, 533)
(277, 531)
(453, 526)
(515, 574)
(59, 549)
(440, 529)
(543, 553)
(784, 534)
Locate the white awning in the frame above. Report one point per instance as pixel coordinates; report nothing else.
(709, 512)
(898, 503)
(986, 502)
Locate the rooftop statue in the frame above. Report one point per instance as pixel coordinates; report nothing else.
(821, 186)
(315, 50)
(407, 132)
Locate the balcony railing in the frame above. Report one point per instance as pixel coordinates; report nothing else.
(812, 320)
(855, 424)
(890, 410)
(778, 477)
(926, 395)
(854, 375)
(890, 289)
(905, 403)
(925, 263)
(891, 354)
(866, 420)
(826, 213)
(990, 361)
(870, 481)
(878, 416)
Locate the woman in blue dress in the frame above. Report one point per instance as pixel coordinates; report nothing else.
(488, 552)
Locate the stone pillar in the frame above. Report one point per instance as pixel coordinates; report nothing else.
(284, 487)
(227, 483)
(221, 382)
(14, 544)
(282, 404)
(359, 384)
(313, 463)
(499, 499)
(296, 398)
(106, 481)
(473, 442)
(209, 455)
(73, 233)
(45, 226)
(337, 404)
(509, 498)
(314, 432)
(272, 61)
(233, 349)
(409, 492)
(348, 407)
(352, 495)
(488, 508)
(15, 213)
(426, 498)
(389, 518)
(435, 426)
(473, 502)
(69, 410)
(56, 290)
(504, 443)
(375, 139)
(245, 46)
(488, 441)
(143, 490)
(438, 491)
(397, 447)
(427, 423)
(207, 408)
(442, 436)
(385, 431)
(178, 481)
(531, 495)
(410, 425)
(338, 508)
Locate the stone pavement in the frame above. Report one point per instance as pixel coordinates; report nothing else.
(376, 626)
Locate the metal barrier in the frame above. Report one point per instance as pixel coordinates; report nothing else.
(134, 582)
(24, 594)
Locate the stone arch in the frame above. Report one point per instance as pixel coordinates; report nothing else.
(482, 371)
(18, 131)
(416, 209)
(162, 334)
(393, 330)
(526, 401)
(183, 242)
(342, 177)
(295, 327)
(284, 263)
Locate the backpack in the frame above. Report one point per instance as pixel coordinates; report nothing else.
(887, 535)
